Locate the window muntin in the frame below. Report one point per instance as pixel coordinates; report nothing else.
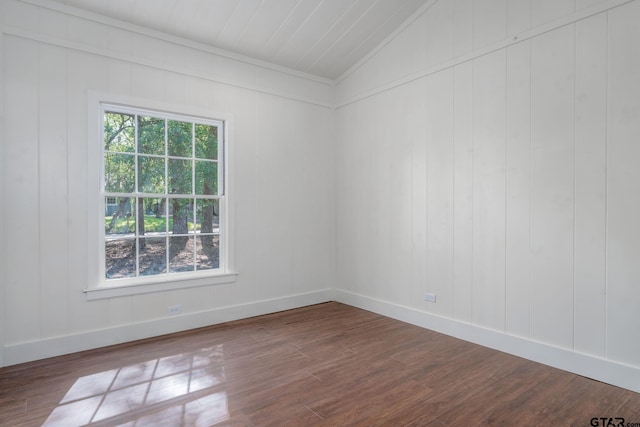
(163, 195)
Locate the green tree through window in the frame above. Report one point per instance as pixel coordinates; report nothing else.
(162, 182)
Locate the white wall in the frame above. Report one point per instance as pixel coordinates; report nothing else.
(283, 142)
(488, 154)
(2, 223)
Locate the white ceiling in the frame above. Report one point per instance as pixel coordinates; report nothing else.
(320, 37)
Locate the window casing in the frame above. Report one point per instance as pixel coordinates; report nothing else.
(163, 201)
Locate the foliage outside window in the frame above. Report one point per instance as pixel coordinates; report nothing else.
(163, 193)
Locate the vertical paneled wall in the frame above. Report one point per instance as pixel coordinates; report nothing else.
(518, 205)
(2, 224)
(283, 173)
(552, 186)
(487, 154)
(622, 193)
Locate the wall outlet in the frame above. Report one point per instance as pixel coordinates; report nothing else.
(430, 297)
(174, 309)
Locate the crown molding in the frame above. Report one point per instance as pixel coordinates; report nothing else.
(95, 17)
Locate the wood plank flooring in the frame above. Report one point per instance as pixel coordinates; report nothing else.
(323, 365)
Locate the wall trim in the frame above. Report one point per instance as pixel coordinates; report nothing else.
(614, 373)
(57, 346)
(181, 69)
(90, 16)
(518, 38)
(607, 371)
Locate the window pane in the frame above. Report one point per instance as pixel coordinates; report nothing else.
(153, 256)
(119, 173)
(181, 256)
(120, 258)
(155, 216)
(181, 214)
(180, 176)
(207, 220)
(208, 256)
(118, 217)
(119, 131)
(206, 177)
(150, 135)
(180, 138)
(160, 176)
(151, 175)
(206, 142)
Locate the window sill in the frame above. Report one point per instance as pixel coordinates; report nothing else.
(168, 285)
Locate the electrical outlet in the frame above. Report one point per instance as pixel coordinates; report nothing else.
(430, 297)
(174, 309)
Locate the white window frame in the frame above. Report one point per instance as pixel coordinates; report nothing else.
(98, 286)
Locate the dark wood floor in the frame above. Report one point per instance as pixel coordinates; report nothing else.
(328, 364)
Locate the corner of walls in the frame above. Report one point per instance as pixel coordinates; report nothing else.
(599, 369)
(335, 137)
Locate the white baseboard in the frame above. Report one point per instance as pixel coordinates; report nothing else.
(57, 346)
(599, 369)
(607, 371)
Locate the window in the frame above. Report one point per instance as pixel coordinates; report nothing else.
(163, 201)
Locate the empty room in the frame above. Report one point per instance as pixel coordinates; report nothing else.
(319, 212)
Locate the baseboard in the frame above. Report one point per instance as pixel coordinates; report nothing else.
(599, 369)
(57, 346)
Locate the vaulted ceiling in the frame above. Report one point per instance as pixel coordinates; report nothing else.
(320, 37)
